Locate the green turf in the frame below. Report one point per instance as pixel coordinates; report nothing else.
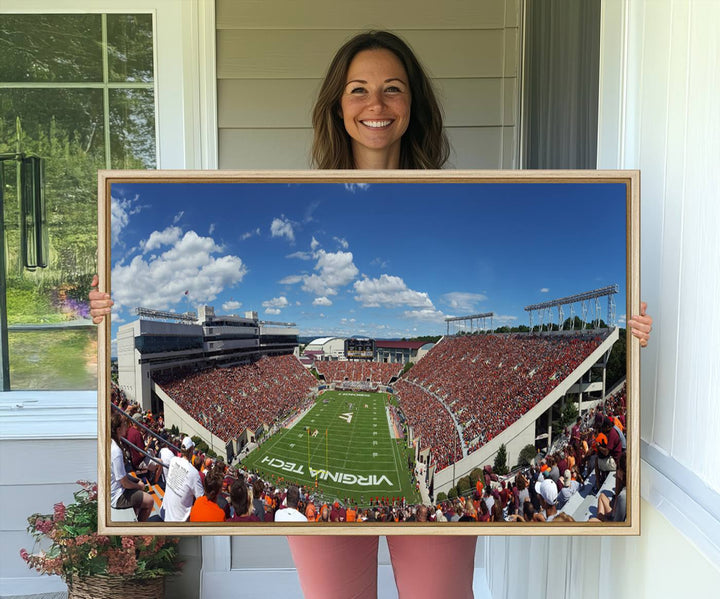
(360, 460)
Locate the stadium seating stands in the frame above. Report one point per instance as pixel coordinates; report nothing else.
(226, 401)
(358, 371)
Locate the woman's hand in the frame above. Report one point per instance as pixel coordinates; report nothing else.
(100, 303)
(641, 325)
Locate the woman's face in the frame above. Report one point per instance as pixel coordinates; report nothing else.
(375, 104)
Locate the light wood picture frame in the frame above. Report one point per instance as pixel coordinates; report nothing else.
(244, 280)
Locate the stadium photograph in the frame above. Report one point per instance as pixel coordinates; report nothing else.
(296, 352)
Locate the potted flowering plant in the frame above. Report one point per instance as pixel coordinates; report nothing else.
(95, 565)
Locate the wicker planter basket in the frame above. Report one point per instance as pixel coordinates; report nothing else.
(116, 587)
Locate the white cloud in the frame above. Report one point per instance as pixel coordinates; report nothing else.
(211, 230)
(544, 290)
(275, 304)
(158, 239)
(500, 320)
(189, 265)
(291, 280)
(314, 244)
(463, 302)
(343, 242)
(379, 262)
(389, 290)
(335, 269)
(426, 314)
(249, 234)
(177, 217)
(282, 227)
(322, 301)
(300, 255)
(231, 305)
(118, 219)
(353, 187)
(120, 212)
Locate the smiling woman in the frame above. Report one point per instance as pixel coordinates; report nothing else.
(375, 108)
(364, 105)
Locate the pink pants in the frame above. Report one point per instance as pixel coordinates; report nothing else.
(425, 567)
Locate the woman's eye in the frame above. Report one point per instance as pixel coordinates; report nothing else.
(393, 89)
(357, 90)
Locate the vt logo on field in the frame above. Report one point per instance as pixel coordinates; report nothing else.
(347, 417)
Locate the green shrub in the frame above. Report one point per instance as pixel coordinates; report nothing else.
(463, 485)
(500, 465)
(527, 455)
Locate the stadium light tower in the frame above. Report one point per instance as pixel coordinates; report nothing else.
(470, 318)
(544, 309)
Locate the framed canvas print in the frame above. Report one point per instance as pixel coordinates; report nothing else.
(365, 352)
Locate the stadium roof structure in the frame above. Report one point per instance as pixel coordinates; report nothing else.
(322, 340)
(393, 344)
(187, 317)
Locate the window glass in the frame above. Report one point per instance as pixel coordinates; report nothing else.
(37, 48)
(62, 116)
(130, 47)
(132, 128)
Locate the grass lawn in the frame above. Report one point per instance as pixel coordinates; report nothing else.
(357, 458)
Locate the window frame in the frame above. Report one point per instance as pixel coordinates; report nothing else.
(186, 138)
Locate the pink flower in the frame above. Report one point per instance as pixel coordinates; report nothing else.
(25, 555)
(59, 512)
(128, 543)
(43, 526)
(121, 562)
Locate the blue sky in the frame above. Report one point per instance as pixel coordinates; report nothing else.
(382, 260)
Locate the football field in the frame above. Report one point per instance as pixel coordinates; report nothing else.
(342, 448)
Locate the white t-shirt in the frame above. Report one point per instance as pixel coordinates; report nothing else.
(182, 487)
(289, 514)
(166, 454)
(117, 472)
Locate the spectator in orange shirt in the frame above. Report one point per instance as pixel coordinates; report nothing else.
(205, 508)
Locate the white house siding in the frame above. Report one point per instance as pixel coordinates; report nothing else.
(271, 58)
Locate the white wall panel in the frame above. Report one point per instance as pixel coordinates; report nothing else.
(475, 147)
(271, 59)
(288, 103)
(653, 117)
(325, 14)
(265, 148)
(253, 53)
(698, 409)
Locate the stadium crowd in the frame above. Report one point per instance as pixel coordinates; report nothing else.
(540, 493)
(358, 371)
(430, 422)
(490, 381)
(227, 401)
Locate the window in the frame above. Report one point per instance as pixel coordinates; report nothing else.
(78, 91)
